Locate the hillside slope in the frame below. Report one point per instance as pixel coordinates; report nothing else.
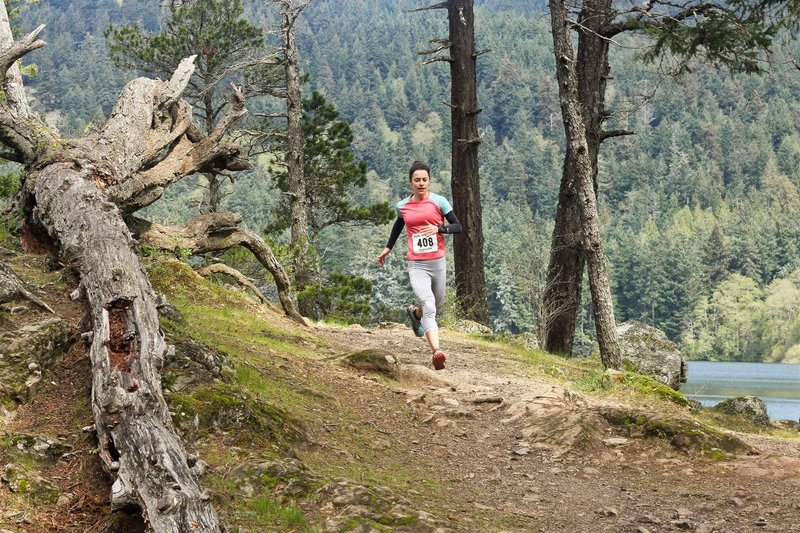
(297, 439)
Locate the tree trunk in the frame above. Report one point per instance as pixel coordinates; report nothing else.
(561, 299)
(578, 151)
(137, 443)
(465, 180)
(303, 262)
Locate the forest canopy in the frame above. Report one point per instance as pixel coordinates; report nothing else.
(699, 206)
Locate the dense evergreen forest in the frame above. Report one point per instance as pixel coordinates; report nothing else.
(699, 207)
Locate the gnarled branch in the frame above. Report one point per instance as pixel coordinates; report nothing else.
(214, 232)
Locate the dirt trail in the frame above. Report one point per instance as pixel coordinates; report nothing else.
(511, 453)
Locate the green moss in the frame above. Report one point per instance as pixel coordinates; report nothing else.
(591, 381)
(375, 360)
(271, 512)
(648, 386)
(226, 407)
(683, 433)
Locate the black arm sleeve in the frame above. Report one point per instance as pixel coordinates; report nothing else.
(453, 226)
(396, 230)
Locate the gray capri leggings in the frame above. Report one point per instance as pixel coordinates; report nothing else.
(428, 279)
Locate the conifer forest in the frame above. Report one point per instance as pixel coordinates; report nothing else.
(698, 200)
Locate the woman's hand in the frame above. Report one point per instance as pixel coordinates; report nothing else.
(382, 256)
(429, 229)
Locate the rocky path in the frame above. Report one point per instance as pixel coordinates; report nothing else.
(508, 452)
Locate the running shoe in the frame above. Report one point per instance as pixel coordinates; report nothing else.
(416, 324)
(438, 359)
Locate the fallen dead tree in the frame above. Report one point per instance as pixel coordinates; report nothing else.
(76, 194)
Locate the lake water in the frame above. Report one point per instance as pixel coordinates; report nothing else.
(778, 385)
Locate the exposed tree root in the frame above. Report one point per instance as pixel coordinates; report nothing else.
(12, 288)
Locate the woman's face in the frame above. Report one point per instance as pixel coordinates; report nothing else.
(419, 182)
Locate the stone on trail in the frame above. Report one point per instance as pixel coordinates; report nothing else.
(373, 360)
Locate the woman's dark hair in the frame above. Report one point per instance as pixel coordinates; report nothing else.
(418, 165)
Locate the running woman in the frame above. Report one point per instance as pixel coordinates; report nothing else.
(424, 214)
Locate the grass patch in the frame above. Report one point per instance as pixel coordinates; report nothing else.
(260, 512)
(274, 513)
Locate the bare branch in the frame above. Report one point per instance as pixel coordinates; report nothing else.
(442, 5)
(443, 45)
(472, 140)
(13, 288)
(241, 279)
(179, 80)
(446, 59)
(11, 52)
(615, 133)
(213, 232)
(646, 18)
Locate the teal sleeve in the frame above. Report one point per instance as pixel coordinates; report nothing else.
(444, 205)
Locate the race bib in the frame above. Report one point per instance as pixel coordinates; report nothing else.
(424, 244)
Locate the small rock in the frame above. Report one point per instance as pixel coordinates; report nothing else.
(615, 441)
(522, 451)
(750, 407)
(648, 519)
(607, 511)
(761, 522)
(682, 524)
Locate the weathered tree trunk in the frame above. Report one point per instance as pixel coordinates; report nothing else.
(562, 295)
(77, 192)
(465, 181)
(578, 151)
(137, 443)
(304, 260)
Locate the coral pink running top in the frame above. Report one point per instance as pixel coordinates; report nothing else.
(417, 214)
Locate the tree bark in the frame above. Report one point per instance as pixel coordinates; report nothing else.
(561, 298)
(465, 180)
(578, 152)
(303, 262)
(137, 443)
